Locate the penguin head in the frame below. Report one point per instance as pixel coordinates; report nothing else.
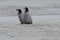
(26, 9)
(19, 10)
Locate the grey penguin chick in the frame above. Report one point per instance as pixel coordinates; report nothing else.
(27, 18)
(20, 15)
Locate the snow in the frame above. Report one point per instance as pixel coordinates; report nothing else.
(43, 28)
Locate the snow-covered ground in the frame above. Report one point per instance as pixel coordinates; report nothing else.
(29, 32)
(43, 28)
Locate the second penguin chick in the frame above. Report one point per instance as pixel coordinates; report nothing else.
(20, 15)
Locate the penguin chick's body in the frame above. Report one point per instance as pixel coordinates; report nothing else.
(27, 18)
(20, 15)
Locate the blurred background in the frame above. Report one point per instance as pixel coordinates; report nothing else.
(36, 7)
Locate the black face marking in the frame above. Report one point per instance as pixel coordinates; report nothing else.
(19, 10)
(26, 9)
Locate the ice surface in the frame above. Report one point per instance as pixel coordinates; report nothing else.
(36, 19)
(43, 28)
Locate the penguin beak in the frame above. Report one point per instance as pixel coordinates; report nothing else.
(24, 8)
(17, 10)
